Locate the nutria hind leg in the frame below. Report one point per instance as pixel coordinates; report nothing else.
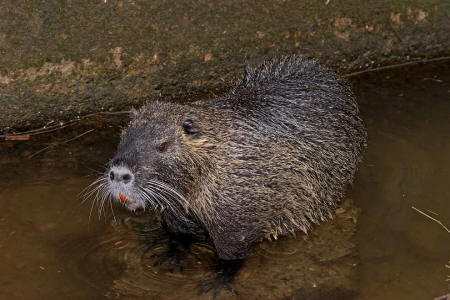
(224, 279)
(178, 248)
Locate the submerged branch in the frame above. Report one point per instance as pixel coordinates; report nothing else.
(431, 218)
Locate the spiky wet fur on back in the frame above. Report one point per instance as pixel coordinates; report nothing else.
(273, 156)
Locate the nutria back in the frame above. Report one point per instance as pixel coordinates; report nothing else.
(271, 157)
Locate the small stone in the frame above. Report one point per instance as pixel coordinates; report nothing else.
(208, 57)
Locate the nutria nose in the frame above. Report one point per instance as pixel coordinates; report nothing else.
(120, 174)
(126, 178)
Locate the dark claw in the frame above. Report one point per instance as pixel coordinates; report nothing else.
(218, 283)
(226, 272)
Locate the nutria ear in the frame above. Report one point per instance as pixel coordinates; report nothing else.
(189, 127)
(133, 113)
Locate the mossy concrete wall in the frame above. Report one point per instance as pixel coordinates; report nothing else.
(59, 59)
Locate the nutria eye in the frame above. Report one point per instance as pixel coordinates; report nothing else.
(162, 147)
(189, 127)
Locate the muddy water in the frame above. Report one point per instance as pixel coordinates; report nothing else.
(403, 254)
(53, 246)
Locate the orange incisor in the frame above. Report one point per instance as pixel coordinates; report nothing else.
(124, 199)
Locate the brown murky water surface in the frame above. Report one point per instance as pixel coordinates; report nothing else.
(54, 247)
(403, 254)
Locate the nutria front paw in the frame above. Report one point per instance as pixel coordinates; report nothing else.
(179, 248)
(174, 257)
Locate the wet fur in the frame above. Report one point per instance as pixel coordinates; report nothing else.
(272, 157)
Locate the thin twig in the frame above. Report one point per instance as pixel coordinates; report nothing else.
(431, 218)
(432, 212)
(47, 129)
(415, 62)
(60, 143)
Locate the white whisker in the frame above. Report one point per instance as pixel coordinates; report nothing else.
(110, 205)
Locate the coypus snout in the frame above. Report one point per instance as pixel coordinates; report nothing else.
(121, 186)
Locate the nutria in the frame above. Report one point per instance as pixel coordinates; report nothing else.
(271, 157)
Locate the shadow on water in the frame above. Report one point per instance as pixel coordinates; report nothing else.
(52, 249)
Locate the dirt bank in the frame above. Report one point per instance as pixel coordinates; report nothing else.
(61, 59)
